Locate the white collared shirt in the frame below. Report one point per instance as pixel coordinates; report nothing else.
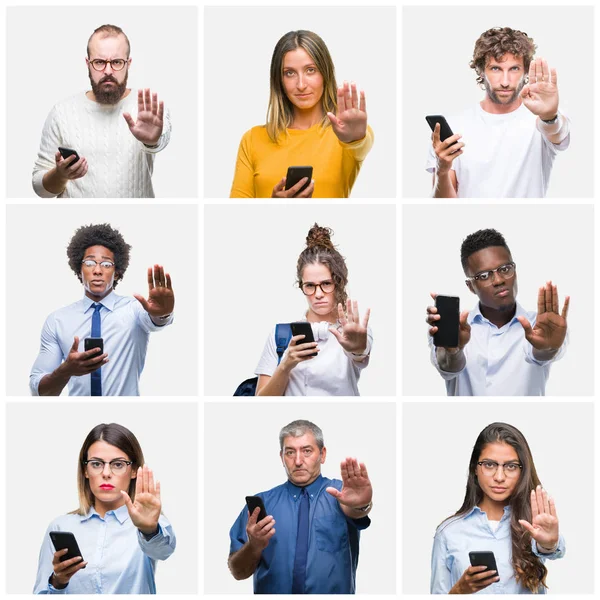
(499, 361)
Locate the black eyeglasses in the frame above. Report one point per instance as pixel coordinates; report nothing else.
(490, 467)
(117, 466)
(308, 288)
(99, 64)
(486, 277)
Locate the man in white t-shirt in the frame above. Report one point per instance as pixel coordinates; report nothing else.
(511, 138)
(114, 133)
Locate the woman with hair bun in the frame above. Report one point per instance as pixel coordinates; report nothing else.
(310, 121)
(505, 511)
(342, 340)
(119, 527)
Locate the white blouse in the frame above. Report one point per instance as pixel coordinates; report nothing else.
(332, 373)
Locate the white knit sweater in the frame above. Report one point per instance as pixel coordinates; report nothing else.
(119, 166)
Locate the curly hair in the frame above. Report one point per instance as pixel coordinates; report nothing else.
(484, 238)
(98, 235)
(498, 41)
(320, 249)
(530, 571)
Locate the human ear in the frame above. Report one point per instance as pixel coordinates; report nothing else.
(323, 455)
(469, 284)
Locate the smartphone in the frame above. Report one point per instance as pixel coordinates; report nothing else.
(445, 131)
(449, 310)
(484, 559)
(295, 174)
(66, 152)
(303, 328)
(65, 539)
(252, 502)
(89, 343)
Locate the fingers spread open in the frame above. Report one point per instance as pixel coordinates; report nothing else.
(565, 309)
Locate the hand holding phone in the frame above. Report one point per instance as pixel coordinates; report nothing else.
(259, 529)
(69, 165)
(445, 317)
(81, 363)
(67, 559)
(296, 184)
(445, 143)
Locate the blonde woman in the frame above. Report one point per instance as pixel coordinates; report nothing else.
(118, 526)
(310, 122)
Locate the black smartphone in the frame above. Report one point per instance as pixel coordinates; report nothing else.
(252, 502)
(66, 152)
(295, 174)
(449, 310)
(303, 328)
(89, 343)
(65, 539)
(484, 559)
(445, 131)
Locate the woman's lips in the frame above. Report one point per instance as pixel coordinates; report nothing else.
(107, 486)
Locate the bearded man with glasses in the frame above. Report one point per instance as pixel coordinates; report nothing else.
(111, 162)
(117, 327)
(502, 349)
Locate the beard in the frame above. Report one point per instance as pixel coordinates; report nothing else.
(493, 96)
(108, 94)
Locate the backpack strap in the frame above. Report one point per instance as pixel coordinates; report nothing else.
(283, 335)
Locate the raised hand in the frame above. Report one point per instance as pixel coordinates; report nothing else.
(550, 327)
(464, 329)
(353, 334)
(161, 299)
(540, 95)
(544, 522)
(356, 490)
(149, 125)
(145, 510)
(350, 124)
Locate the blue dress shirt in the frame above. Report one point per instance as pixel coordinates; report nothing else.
(120, 559)
(332, 542)
(499, 361)
(125, 330)
(458, 536)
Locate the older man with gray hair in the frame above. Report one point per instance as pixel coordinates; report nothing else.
(314, 549)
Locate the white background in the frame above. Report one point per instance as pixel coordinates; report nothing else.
(362, 45)
(37, 267)
(42, 465)
(440, 82)
(437, 466)
(46, 64)
(250, 464)
(251, 253)
(547, 242)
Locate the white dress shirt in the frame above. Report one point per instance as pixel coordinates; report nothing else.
(499, 361)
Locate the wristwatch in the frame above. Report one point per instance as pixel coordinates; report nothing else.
(551, 121)
(364, 508)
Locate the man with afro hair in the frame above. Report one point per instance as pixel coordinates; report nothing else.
(502, 349)
(99, 257)
(505, 146)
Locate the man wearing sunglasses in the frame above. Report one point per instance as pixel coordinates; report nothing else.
(116, 327)
(114, 131)
(502, 349)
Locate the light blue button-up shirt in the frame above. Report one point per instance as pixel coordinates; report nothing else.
(458, 536)
(332, 541)
(499, 361)
(120, 559)
(125, 329)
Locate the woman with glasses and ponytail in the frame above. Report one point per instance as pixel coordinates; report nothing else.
(118, 526)
(507, 512)
(331, 365)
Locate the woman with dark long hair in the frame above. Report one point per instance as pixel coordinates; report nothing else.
(505, 511)
(331, 365)
(118, 526)
(310, 121)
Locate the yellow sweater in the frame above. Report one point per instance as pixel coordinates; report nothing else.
(261, 164)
